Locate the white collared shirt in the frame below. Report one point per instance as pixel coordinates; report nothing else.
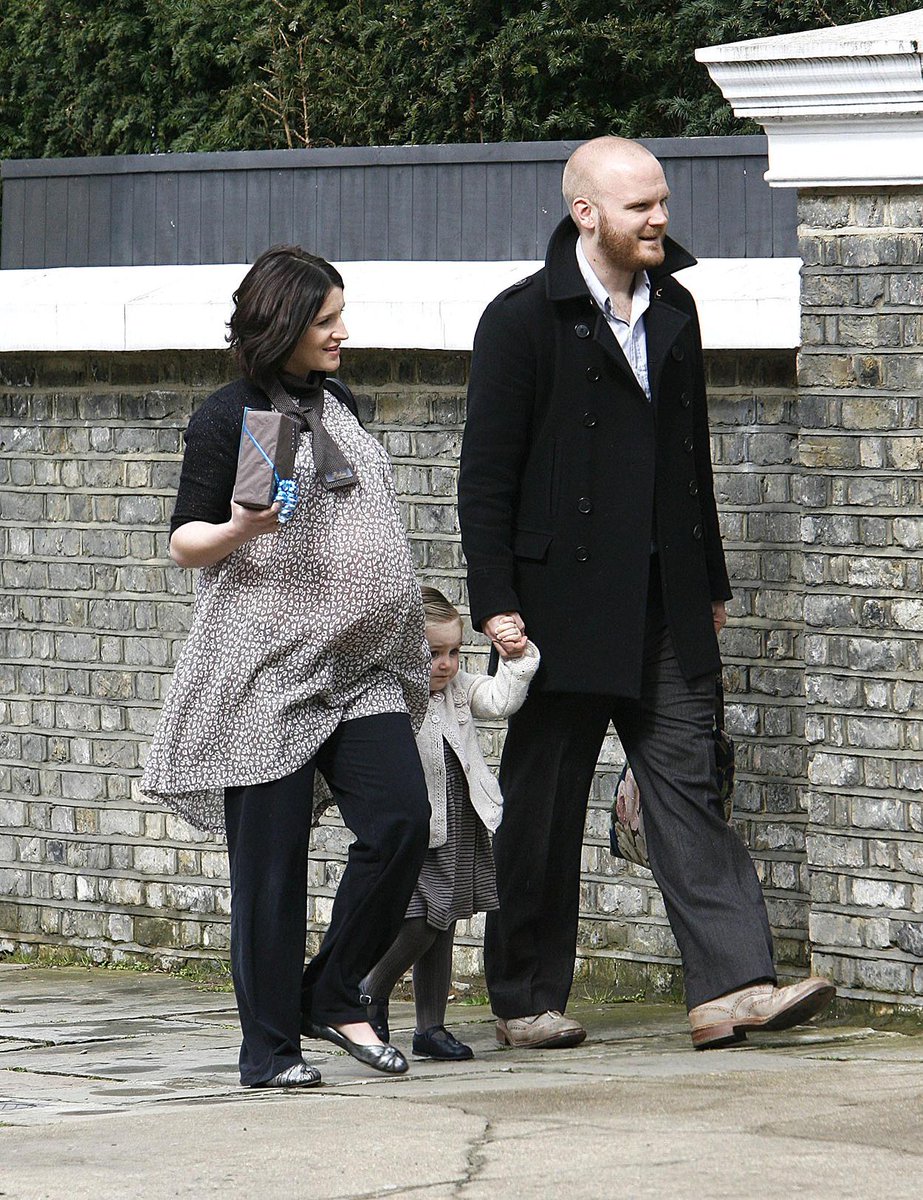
(629, 334)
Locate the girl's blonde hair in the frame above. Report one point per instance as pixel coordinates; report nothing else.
(437, 608)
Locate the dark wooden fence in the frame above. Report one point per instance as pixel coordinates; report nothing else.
(461, 202)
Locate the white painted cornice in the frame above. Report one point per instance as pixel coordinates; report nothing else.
(842, 106)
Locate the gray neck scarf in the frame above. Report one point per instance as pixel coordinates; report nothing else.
(333, 467)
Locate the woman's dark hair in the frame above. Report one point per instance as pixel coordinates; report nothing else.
(277, 300)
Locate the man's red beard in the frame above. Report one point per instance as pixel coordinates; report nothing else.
(622, 250)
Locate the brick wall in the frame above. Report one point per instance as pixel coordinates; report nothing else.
(92, 615)
(861, 452)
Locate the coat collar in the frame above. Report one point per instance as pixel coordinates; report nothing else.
(662, 321)
(563, 280)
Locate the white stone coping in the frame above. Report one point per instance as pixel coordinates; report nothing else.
(841, 106)
(899, 34)
(743, 304)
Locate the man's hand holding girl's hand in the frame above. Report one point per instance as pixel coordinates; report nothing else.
(507, 632)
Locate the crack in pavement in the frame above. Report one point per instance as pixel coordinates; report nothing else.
(62, 1075)
(475, 1159)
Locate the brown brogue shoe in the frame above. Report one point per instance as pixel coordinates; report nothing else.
(728, 1019)
(548, 1030)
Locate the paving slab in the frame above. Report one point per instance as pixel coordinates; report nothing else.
(118, 1084)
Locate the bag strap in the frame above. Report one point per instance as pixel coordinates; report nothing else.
(719, 701)
(336, 387)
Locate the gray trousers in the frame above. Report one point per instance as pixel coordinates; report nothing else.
(710, 889)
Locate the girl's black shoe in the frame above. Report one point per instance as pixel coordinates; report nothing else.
(437, 1042)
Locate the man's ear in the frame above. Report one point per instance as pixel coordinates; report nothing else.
(583, 212)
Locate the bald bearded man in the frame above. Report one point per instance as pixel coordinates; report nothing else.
(588, 517)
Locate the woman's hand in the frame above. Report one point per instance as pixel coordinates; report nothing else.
(248, 523)
(201, 544)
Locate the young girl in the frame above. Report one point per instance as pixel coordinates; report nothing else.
(457, 878)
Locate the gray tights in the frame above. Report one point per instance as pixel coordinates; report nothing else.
(429, 951)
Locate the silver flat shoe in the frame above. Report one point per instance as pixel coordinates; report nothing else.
(298, 1075)
(381, 1058)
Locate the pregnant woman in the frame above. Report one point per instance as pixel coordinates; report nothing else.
(306, 654)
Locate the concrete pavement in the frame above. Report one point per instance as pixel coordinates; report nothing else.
(122, 1084)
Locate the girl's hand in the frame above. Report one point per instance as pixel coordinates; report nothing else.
(512, 646)
(507, 632)
(718, 615)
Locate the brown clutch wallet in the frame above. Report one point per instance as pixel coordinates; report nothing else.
(268, 441)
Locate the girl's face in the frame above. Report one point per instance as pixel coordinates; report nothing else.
(444, 639)
(318, 348)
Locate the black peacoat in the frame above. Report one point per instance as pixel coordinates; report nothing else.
(568, 474)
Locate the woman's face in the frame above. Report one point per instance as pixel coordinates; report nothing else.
(318, 348)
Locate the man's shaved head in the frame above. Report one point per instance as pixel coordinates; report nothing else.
(587, 167)
(617, 197)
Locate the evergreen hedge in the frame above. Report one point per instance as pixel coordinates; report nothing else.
(138, 76)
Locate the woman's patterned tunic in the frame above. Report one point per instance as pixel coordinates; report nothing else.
(293, 633)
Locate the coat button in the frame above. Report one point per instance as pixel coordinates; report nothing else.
(585, 504)
(581, 330)
(678, 353)
(589, 419)
(581, 554)
(697, 532)
(693, 488)
(684, 399)
(687, 445)
(592, 374)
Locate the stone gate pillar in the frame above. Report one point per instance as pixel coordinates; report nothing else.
(843, 112)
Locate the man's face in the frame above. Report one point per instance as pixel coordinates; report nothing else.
(631, 215)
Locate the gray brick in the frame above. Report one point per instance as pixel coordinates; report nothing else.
(836, 770)
(116, 891)
(910, 857)
(880, 893)
(908, 937)
(186, 898)
(834, 929)
(883, 976)
(14, 882)
(908, 532)
(907, 614)
(910, 776)
(13, 814)
(153, 860)
(870, 813)
(829, 611)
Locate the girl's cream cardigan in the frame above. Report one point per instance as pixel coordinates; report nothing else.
(450, 716)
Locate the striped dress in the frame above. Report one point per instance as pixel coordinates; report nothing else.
(458, 878)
